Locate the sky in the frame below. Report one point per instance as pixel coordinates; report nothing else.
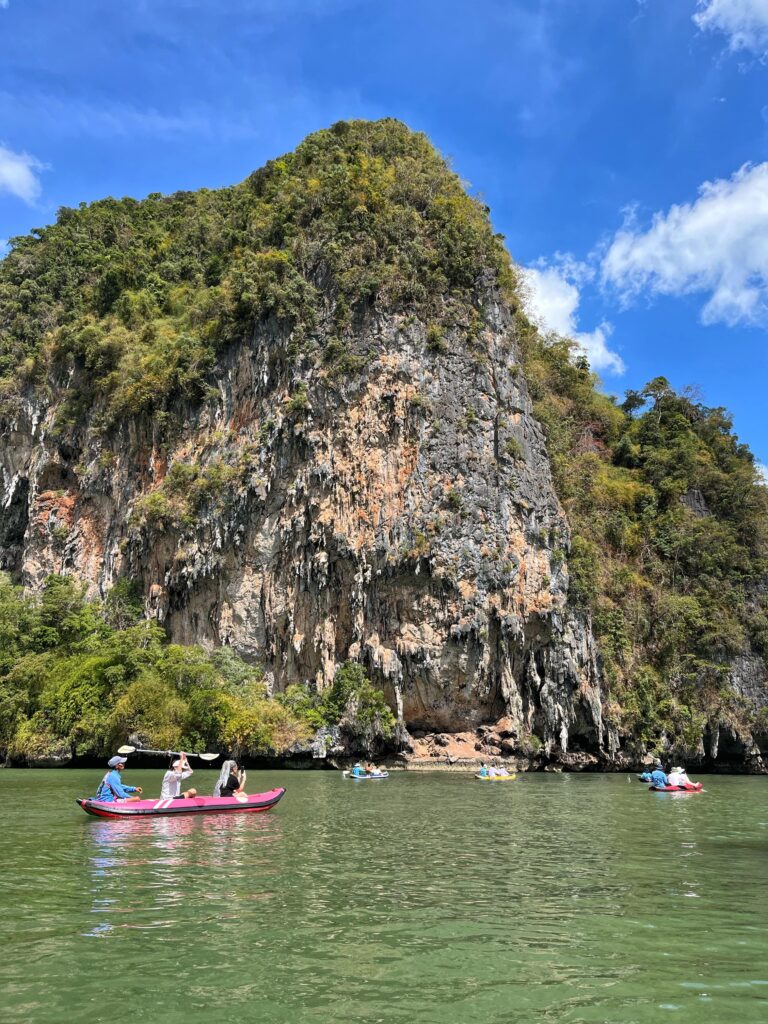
(622, 145)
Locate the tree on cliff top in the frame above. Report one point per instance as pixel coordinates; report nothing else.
(132, 301)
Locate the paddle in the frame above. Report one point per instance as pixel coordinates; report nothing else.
(128, 749)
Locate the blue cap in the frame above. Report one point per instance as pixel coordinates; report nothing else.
(113, 762)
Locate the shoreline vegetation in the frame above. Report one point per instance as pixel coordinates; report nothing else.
(79, 676)
(122, 309)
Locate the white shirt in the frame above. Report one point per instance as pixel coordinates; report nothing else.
(172, 783)
(678, 779)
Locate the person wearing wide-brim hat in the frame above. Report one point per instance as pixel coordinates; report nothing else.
(111, 788)
(679, 777)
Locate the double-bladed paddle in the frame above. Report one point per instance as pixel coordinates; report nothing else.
(128, 749)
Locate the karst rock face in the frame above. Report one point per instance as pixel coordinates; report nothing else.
(294, 414)
(402, 514)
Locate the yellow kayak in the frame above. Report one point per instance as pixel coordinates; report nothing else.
(496, 778)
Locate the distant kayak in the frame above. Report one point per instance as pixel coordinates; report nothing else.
(196, 805)
(496, 778)
(695, 787)
(375, 777)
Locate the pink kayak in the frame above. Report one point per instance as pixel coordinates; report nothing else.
(197, 805)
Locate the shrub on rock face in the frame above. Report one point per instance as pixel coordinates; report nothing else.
(360, 710)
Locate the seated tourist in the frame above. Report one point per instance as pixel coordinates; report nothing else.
(111, 788)
(231, 781)
(171, 788)
(678, 777)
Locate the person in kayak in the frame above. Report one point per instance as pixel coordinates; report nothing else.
(171, 788)
(484, 773)
(111, 788)
(678, 777)
(659, 777)
(357, 770)
(231, 782)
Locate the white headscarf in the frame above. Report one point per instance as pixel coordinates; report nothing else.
(227, 769)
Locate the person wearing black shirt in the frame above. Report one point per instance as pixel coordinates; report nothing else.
(231, 781)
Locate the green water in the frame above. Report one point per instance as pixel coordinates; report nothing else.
(425, 898)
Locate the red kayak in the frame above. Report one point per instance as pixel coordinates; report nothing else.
(197, 805)
(694, 787)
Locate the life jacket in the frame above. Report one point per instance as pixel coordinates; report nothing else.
(104, 786)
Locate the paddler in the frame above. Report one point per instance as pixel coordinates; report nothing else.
(358, 771)
(173, 778)
(679, 777)
(111, 788)
(659, 777)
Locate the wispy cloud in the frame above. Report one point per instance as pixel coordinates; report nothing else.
(110, 120)
(18, 174)
(552, 301)
(744, 22)
(716, 245)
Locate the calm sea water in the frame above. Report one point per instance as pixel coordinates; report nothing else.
(425, 898)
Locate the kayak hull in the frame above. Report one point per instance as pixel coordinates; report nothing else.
(695, 787)
(197, 805)
(366, 778)
(495, 778)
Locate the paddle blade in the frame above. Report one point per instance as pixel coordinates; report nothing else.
(208, 757)
(126, 749)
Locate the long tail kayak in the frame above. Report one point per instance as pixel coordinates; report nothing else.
(496, 778)
(695, 787)
(196, 805)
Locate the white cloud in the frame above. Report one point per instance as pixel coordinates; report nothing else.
(18, 174)
(745, 22)
(717, 245)
(552, 302)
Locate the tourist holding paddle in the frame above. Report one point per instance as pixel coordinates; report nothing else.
(173, 778)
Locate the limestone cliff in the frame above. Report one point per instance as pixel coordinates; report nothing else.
(380, 493)
(405, 518)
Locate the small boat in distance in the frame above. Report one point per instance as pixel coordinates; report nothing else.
(496, 778)
(369, 776)
(196, 805)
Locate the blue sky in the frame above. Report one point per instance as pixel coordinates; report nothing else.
(622, 145)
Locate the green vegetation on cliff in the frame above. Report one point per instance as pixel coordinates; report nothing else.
(133, 301)
(78, 677)
(669, 540)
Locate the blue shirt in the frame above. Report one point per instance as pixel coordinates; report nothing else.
(111, 788)
(658, 778)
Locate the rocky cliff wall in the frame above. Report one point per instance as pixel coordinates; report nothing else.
(388, 500)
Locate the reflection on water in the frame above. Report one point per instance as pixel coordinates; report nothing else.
(168, 858)
(426, 899)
